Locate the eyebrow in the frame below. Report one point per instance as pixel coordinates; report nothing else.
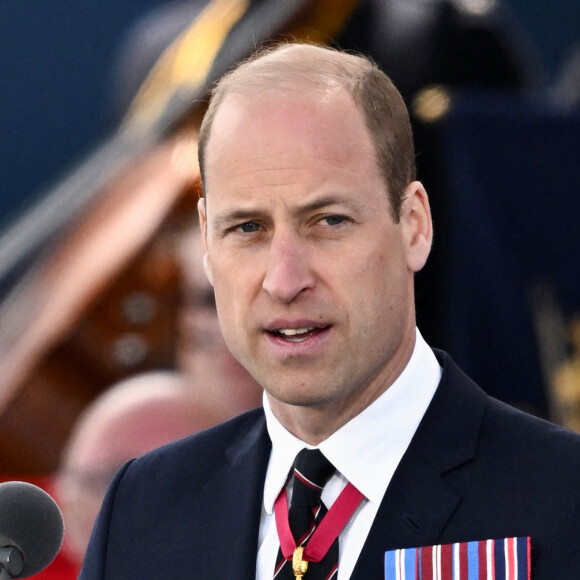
(222, 222)
(239, 215)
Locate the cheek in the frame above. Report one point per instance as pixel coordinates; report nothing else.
(224, 301)
(237, 282)
(381, 285)
(232, 309)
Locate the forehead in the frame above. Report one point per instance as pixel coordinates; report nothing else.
(274, 122)
(287, 142)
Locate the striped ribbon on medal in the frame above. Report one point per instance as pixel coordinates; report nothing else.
(326, 532)
(502, 559)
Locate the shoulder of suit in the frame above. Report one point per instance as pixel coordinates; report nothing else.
(504, 427)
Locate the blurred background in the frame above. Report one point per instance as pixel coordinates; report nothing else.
(100, 278)
(55, 67)
(55, 72)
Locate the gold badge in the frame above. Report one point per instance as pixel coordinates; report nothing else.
(299, 566)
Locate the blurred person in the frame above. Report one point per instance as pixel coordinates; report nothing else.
(151, 409)
(131, 418)
(227, 389)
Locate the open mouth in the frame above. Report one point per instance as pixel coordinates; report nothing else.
(297, 334)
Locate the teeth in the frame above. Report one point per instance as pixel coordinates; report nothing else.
(295, 331)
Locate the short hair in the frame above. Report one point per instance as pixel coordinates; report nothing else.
(299, 67)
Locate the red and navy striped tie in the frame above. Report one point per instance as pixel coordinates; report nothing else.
(311, 472)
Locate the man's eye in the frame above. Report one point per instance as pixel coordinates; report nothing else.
(334, 220)
(249, 227)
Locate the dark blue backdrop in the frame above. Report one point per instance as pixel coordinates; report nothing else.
(54, 62)
(512, 173)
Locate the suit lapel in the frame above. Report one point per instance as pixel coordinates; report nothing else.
(229, 508)
(420, 499)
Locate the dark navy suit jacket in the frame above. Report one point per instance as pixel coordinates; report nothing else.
(475, 469)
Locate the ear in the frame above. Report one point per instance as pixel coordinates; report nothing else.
(202, 212)
(416, 225)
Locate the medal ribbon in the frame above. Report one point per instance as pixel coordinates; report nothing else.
(327, 530)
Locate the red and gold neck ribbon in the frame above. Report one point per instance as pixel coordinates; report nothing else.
(327, 530)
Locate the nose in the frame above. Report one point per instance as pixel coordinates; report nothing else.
(288, 270)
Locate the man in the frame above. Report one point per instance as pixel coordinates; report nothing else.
(313, 228)
(215, 380)
(132, 417)
(150, 409)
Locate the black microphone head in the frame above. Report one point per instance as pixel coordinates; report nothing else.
(31, 521)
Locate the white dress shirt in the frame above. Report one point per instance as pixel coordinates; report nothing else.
(366, 451)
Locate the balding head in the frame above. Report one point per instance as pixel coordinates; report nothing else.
(304, 69)
(128, 420)
(132, 418)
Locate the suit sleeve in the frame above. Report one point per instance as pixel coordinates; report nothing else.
(95, 561)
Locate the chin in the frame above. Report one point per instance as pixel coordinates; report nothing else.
(299, 397)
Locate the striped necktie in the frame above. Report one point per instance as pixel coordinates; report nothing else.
(310, 473)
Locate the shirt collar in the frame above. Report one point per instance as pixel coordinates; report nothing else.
(367, 450)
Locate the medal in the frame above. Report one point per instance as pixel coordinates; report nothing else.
(324, 534)
(299, 566)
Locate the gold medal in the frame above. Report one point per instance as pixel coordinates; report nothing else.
(299, 566)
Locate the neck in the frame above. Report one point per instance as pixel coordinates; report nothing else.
(316, 422)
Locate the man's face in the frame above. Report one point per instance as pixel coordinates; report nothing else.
(312, 277)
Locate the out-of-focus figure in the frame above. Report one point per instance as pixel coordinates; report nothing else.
(149, 409)
(213, 377)
(133, 417)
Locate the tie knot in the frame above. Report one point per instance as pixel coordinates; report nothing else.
(311, 472)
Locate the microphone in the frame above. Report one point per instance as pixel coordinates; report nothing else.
(31, 529)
